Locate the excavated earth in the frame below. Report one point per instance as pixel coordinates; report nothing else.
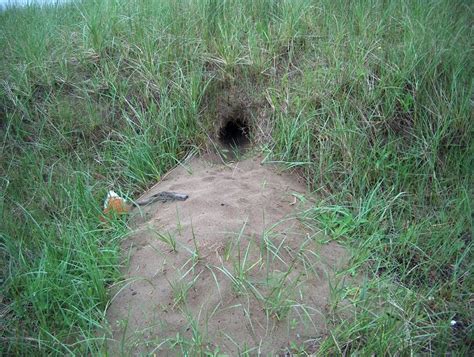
(246, 274)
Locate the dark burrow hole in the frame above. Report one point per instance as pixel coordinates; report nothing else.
(235, 132)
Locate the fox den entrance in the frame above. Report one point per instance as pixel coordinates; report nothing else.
(235, 130)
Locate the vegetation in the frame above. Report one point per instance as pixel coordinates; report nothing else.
(370, 100)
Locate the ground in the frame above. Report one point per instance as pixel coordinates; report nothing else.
(232, 264)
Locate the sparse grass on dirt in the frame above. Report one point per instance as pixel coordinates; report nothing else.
(370, 101)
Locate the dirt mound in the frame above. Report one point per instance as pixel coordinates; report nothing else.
(231, 269)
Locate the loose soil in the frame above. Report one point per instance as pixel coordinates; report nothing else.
(246, 275)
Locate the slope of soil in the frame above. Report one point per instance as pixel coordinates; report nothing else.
(245, 274)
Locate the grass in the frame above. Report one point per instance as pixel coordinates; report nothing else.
(167, 238)
(370, 101)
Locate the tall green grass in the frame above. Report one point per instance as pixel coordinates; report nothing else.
(370, 100)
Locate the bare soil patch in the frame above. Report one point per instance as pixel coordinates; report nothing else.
(231, 268)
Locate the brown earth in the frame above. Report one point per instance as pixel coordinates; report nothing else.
(246, 274)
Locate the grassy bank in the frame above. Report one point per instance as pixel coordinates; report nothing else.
(370, 100)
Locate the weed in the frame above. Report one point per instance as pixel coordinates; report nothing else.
(180, 288)
(167, 238)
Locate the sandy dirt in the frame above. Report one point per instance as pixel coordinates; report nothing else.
(246, 276)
